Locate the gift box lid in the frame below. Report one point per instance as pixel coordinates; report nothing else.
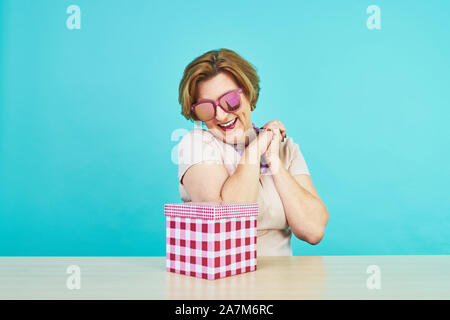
(211, 210)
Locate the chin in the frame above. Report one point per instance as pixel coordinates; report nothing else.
(232, 134)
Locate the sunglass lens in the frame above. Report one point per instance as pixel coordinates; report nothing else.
(231, 101)
(204, 111)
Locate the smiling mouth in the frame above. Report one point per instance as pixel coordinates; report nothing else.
(229, 125)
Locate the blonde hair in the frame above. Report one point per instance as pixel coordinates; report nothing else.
(210, 64)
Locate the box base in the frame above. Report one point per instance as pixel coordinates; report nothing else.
(213, 276)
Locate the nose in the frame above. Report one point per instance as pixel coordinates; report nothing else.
(220, 114)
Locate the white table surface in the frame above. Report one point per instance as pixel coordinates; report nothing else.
(314, 277)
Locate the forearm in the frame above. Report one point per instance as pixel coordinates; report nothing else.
(307, 216)
(242, 186)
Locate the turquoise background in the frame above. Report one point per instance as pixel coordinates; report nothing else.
(86, 118)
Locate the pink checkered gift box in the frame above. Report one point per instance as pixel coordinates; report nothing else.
(211, 240)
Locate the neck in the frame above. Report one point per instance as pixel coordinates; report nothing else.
(250, 135)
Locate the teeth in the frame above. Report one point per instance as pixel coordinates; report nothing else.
(224, 125)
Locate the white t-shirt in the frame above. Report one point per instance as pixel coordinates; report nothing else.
(273, 232)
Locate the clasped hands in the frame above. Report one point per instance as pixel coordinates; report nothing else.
(268, 140)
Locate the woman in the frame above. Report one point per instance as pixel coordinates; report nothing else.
(233, 161)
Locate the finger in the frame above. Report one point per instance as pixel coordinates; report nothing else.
(264, 139)
(277, 134)
(275, 143)
(282, 128)
(276, 124)
(268, 124)
(271, 124)
(269, 135)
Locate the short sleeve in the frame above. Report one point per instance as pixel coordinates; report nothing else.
(297, 162)
(195, 147)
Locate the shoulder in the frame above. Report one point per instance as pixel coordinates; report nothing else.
(288, 148)
(293, 158)
(198, 145)
(197, 137)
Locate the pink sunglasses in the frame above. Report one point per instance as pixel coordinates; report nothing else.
(206, 109)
